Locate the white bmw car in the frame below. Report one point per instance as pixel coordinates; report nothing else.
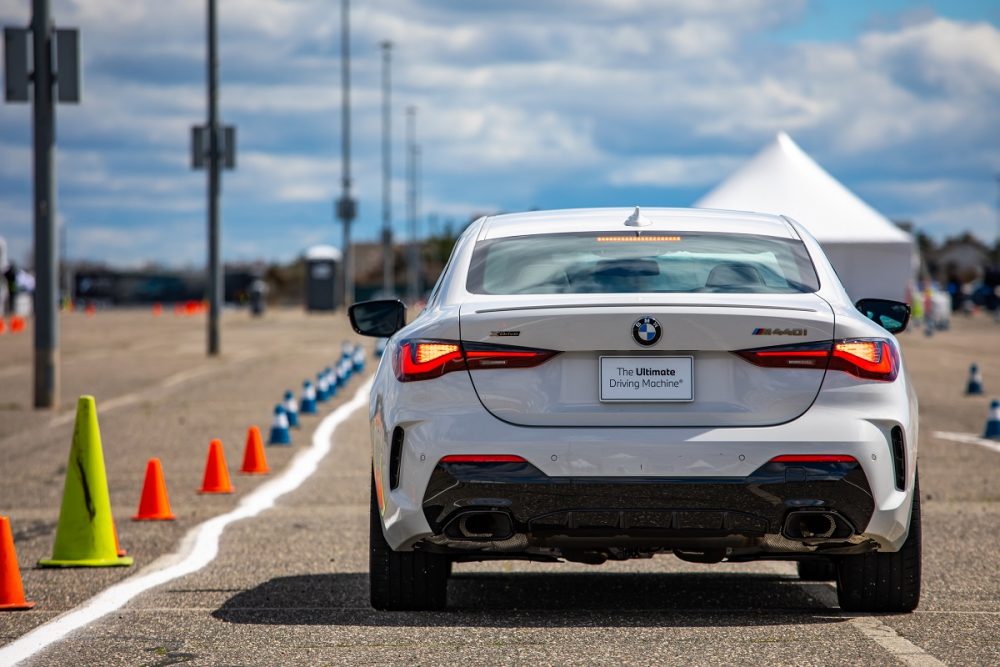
(596, 384)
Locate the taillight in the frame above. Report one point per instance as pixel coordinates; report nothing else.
(865, 358)
(480, 356)
(868, 358)
(428, 359)
(804, 355)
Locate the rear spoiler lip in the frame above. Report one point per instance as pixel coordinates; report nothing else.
(645, 306)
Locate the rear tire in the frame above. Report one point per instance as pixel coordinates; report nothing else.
(817, 569)
(886, 582)
(403, 580)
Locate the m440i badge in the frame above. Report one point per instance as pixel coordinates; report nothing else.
(779, 332)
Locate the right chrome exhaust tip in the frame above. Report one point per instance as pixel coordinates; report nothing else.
(483, 525)
(810, 525)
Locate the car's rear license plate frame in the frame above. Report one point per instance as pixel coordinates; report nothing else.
(646, 379)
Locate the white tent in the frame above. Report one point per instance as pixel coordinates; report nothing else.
(872, 256)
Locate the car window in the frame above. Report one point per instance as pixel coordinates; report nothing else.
(617, 262)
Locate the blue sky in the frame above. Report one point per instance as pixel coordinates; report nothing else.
(521, 105)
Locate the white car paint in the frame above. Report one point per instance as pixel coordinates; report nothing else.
(515, 411)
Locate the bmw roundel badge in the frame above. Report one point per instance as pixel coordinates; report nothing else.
(646, 331)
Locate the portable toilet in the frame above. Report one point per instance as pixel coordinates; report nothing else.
(322, 293)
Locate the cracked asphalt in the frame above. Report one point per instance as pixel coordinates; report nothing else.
(289, 586)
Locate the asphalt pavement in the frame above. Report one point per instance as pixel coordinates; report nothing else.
(289, 586)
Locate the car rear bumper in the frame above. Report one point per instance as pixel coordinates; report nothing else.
(516, 498)
(670, 469)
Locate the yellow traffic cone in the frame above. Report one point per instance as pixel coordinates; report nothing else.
(85, 536)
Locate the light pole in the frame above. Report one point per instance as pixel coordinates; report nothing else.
(213, 147)
(215, 280)
(388, 288)
(346, 206)
(55, 75)
(46, 254)
(413, 277)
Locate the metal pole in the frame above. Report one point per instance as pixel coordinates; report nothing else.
(46, 252)
(411, 183)
(215, 280)
(387, 258)
(346, 216)
(418, 258)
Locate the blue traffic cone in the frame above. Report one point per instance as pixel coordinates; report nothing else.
(975, 386)
(292, 409)
(993, 421)
(322, 388)
(380, 345)
(332, 381)
(279, 428)
(308, 404)
(359, 359)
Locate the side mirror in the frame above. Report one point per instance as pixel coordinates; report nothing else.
(892, 316)
(380, 318)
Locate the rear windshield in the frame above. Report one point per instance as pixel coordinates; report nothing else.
(620, 262)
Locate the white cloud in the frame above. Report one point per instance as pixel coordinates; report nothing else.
(516, 99)
(673, 171)
(978, 218)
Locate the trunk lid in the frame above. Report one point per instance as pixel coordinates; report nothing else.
(727, 390)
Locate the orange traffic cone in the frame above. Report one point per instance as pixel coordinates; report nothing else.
(216, 474)
(254, 460)
(154, 504)
(90, 310)
(2, 325)
(157, 309)
(11, 590)
(16, 324)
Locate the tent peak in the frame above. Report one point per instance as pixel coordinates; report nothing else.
(787, 144)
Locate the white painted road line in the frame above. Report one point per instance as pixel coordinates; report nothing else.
(968, 439)
(871, 627)
(198, 548)
(868, 625)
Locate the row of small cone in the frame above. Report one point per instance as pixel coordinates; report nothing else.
(186, 308)
(191, 307)
(154, 504)
(16, 325)
(974, 387)
(328, 381)
(87, 308)
(86, 534)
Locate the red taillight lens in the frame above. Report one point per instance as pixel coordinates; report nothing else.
(871, 359)
(428, 359)
(865, 358)
(805, 355)
(482, 458)
(814, 458)
(481, 356)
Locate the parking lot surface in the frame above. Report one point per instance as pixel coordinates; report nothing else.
(289, 585)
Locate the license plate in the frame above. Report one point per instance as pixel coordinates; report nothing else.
(647, 379)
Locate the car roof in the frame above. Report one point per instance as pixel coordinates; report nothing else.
(613, 219)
